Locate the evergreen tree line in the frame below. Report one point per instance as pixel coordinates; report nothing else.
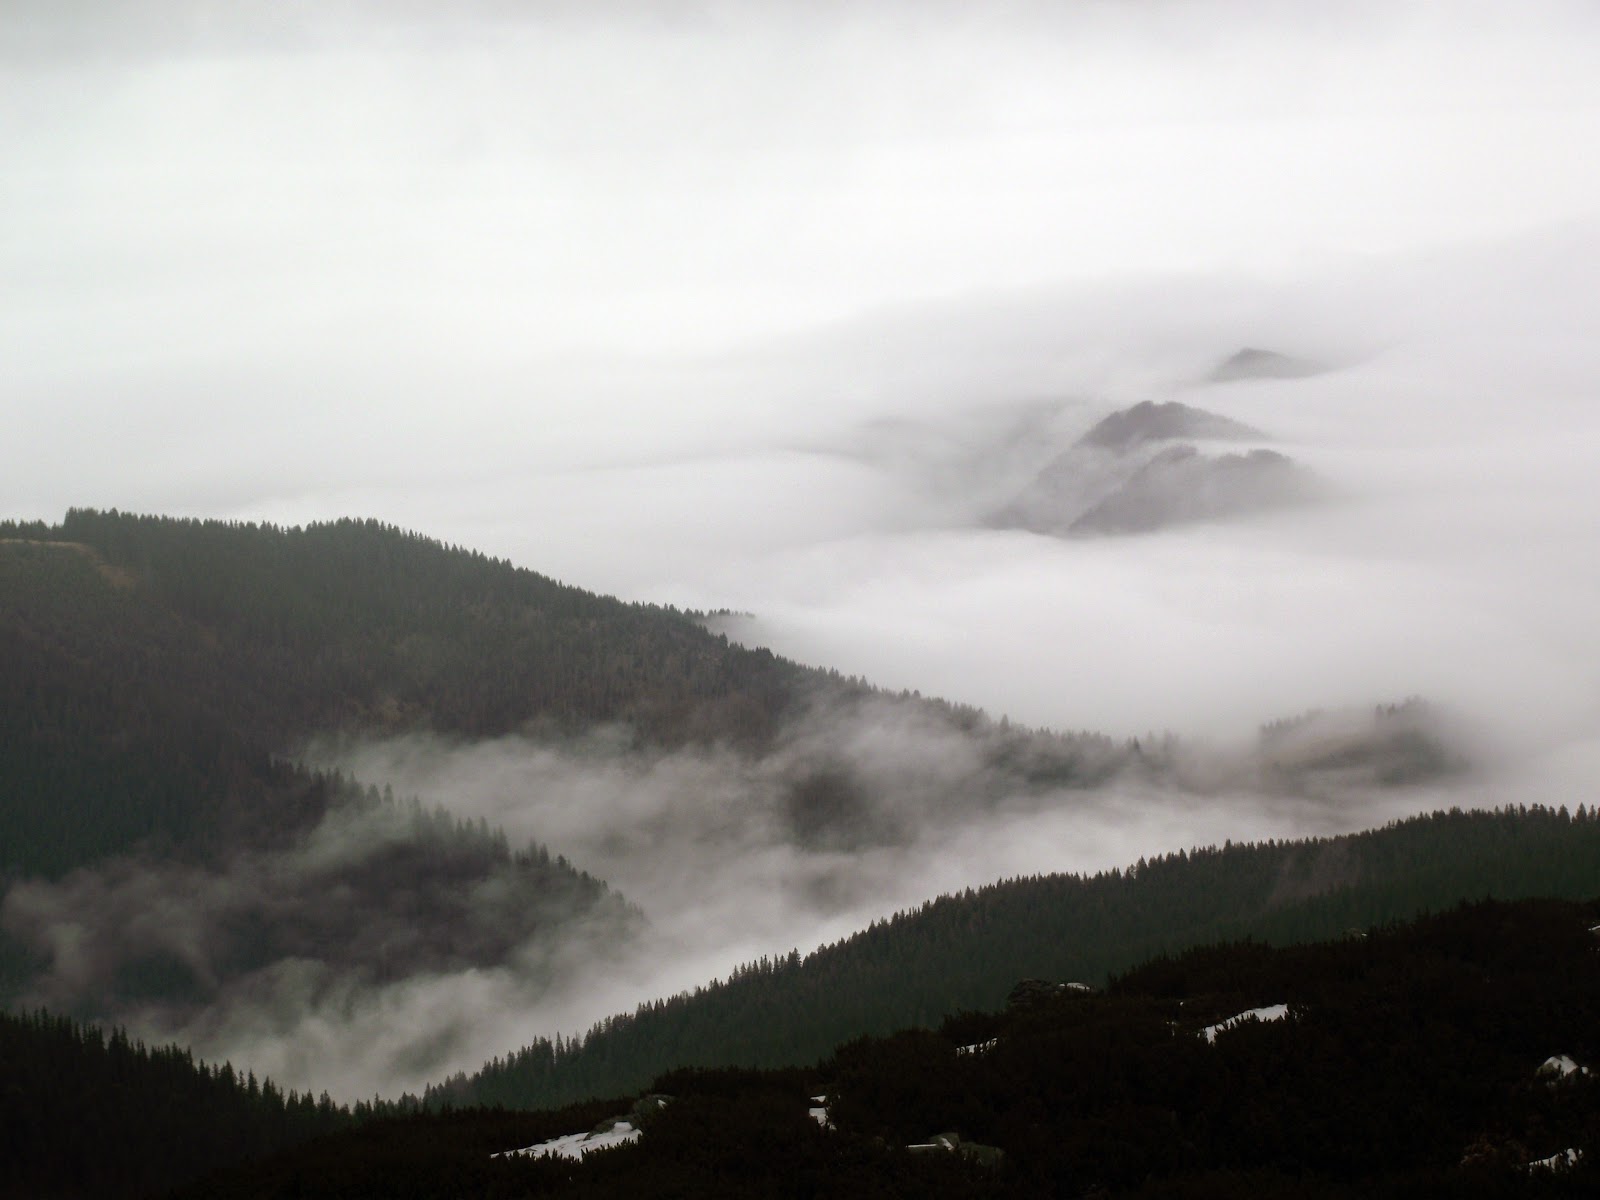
(88, 1113)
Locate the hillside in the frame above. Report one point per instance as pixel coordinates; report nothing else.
(154, 665)
(155, 668)
(966, 951)
(1453, 1056)
(1149, 421)
(1252, 363)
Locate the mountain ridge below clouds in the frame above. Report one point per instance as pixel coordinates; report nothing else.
(158, 669)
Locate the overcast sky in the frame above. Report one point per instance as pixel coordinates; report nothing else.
(762, 305)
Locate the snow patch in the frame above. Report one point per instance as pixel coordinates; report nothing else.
(1561, 1066)
(1557, 1162)
(978, 1047)
(819, 1111)
(1272, 1012)
(576, 1145)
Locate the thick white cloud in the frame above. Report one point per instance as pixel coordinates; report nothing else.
(534, 279)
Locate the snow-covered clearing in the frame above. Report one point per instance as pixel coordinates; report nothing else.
(1558, 1161)
(1273, 1012)
(1561, 1066)
(576, 1145)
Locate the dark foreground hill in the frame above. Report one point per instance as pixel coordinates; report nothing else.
(966, 951)
(89, 1113)
(1457, 1056)
(86, 1113)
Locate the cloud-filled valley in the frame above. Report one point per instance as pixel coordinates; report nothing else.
(771, 317)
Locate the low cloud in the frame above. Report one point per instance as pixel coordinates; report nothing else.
(712, 846)
(302, 951)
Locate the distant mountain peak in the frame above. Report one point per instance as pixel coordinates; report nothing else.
(1150, 421)
(1253, 363)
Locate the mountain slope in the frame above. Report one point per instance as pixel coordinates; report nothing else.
(966, 951)
(1252, 363)
(153, 666)
(1406, 1060)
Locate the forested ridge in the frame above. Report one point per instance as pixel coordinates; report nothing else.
(154, 666)
(1453, 1056)
(965, 951)
(357, 621)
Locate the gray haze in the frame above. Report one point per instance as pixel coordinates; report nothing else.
(767, 307)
